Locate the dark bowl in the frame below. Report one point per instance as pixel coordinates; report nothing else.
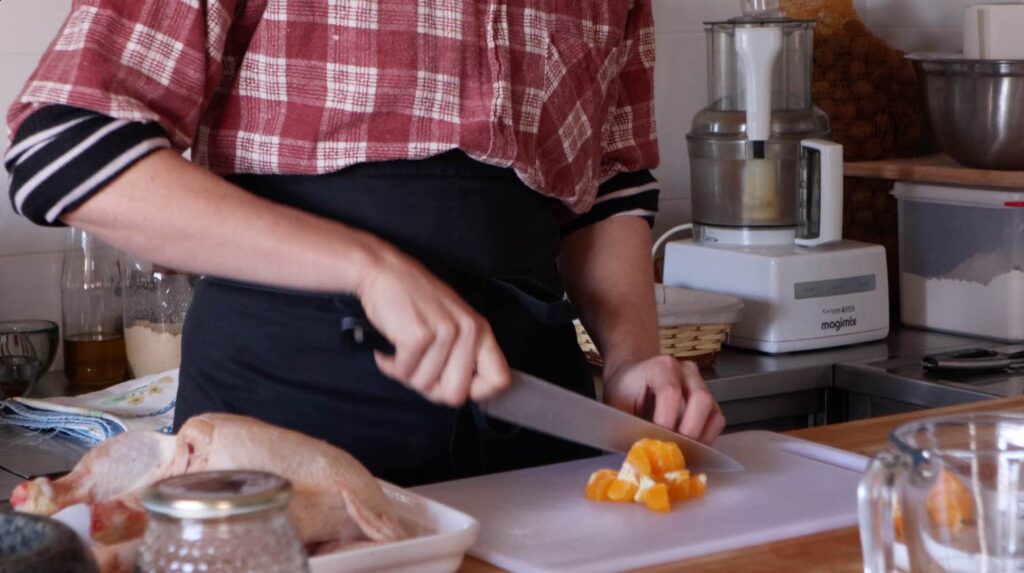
(31, 544)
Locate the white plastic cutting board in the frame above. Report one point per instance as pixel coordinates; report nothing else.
(538, 519)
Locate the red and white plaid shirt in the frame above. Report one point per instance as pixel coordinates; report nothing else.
(560, 90)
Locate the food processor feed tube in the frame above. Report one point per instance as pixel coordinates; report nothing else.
(758, 49)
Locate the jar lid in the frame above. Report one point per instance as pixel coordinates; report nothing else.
(217, 494)
(714, 123)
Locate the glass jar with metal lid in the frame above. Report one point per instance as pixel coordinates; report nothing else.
(220, 522)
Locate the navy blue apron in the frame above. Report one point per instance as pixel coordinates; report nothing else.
(280, 355)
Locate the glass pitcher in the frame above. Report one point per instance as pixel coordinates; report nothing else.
(947, 496)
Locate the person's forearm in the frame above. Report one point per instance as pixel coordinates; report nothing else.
(171, 212)
(609, 276)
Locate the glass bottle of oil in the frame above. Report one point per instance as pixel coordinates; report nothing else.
(94, 349)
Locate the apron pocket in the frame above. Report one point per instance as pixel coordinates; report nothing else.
(533, 325)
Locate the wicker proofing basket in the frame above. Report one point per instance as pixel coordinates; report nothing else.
(692, 325)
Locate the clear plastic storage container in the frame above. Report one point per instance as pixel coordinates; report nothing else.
(962, 260)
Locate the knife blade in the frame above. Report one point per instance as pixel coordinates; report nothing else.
(540, 405)
(550, 409)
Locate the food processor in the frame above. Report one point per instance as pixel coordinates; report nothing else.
(767, 197)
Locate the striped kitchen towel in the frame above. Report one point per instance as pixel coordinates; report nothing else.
(145, 403)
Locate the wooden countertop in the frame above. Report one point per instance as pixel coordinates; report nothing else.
(836, 551)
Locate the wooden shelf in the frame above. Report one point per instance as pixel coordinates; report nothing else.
(939, 169)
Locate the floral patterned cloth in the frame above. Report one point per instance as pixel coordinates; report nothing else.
(145, 403)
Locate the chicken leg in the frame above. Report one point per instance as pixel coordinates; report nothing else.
(335, 500)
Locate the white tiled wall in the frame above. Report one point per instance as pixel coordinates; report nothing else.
(29, 256)
(911, 25)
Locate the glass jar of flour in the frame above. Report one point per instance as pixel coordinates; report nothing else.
(155, 303)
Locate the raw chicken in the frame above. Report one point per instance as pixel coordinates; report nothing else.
(336, 501)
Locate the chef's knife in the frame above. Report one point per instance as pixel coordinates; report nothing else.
(535, 403)
(540, 405)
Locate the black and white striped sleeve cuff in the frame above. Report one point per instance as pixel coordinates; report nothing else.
(632, 194)
(62, 155)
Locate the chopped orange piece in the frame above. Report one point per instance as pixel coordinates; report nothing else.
(654, 474)
(664, 456)
(656, 498)
(679, 491)
(698, 485)
(949, 502)
(637, 464)
(600, 481)
(678, 461)
(678, 484)
(677, 476)
(622, 490)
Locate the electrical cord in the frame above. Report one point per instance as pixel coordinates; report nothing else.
(664, 236)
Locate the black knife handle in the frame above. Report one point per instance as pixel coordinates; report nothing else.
(361, 333)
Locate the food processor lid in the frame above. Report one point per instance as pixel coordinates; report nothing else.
(718, 123)
(787, 23)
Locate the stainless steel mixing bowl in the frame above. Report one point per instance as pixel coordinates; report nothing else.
(975, 108)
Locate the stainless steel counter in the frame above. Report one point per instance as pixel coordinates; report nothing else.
(745, 373)
(25, 453)
(802, 388)
(898, 383)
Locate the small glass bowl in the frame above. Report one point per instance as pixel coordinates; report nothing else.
(27, 350)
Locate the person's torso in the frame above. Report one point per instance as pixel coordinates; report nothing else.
(313, 86)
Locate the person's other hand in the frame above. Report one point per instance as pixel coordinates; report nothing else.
(443, 349)
(681, 400)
